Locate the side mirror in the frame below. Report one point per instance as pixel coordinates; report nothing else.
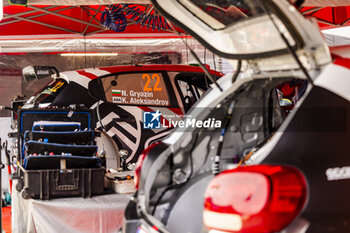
(38, 72)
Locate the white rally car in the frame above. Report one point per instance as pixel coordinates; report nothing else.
(280, 162)
(140, 103)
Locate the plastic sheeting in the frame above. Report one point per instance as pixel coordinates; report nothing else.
(92, 45)
(125, 47)
(103, 214)
(19, 53)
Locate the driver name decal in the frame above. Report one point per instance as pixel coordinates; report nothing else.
(137, 97)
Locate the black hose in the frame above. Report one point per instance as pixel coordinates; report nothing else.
(216, 164)
(177, 185)
(7, 108)
(238, 70)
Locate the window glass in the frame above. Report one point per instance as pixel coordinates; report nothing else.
(220, 13)
(49, 92)
(136, 89)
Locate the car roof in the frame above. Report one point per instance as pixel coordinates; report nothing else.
(176, 68)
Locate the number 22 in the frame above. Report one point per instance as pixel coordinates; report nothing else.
(155, 88)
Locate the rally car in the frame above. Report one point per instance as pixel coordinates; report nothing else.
(279, 160)
(132, 96)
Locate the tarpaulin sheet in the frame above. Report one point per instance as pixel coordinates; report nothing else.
(103, 214)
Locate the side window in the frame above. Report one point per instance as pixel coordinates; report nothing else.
(192, 87)
(189, 97)
(49, 92)
(283, 99)
(136, 89)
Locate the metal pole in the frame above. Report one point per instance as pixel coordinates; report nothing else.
(92, 18)
(94, 32)
(31, 17)
(65, 16)
(27, 12)
(47, 25)
(312, 10)
(86, 9)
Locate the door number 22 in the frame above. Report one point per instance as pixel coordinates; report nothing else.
(156, 85)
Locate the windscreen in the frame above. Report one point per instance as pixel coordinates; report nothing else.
(221, 13)
(49, 92)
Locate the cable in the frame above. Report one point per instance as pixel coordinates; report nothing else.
(238, 70)
(216, 164)
(214, 64)
(205, 62)
(197, 59)
(292, 52)
(177, 185)
(6, 108)
(99, 116)
(187, 50)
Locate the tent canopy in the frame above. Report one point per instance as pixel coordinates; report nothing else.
(66, 25)
(52, 19)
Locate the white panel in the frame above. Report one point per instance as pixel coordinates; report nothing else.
(336, 79)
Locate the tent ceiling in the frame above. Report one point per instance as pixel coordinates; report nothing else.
(53, 19)
(70, 20)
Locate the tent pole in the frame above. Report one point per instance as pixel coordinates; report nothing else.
(92, 18)
(45, 24)
(65, 17)
(31, 17)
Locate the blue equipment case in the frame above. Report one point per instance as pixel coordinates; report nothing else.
(72, 168)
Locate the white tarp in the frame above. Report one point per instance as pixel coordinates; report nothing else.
(102, 214)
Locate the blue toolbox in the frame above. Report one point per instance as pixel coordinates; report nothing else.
(57, 154)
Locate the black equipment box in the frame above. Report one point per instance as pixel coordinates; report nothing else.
(63, 137)
(57, 154)
(55, 183)
(41, 147)
(77, 119)
(27, 117)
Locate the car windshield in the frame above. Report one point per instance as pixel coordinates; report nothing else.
(49, 92)
(219, 14)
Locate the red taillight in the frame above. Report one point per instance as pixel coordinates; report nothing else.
(259, 199)
(139, 163)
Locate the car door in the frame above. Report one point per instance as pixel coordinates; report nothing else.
(251, 30)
